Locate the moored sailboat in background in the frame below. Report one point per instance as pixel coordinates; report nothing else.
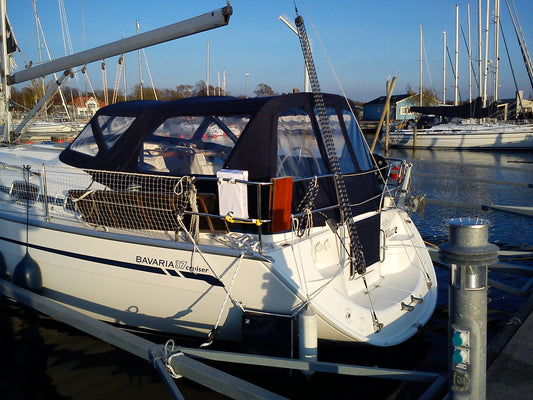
(468, 126)
(475, 124)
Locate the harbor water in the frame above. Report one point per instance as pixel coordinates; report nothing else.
(44, 359)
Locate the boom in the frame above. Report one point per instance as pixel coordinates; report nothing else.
(204, 22)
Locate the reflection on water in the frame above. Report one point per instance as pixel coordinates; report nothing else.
(507, 230)
(48, 360)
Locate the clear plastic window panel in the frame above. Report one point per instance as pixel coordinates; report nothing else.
(112, 127)
(358, 141)
(191, 145)
(298, 152)
(341, 147)
(85, 142)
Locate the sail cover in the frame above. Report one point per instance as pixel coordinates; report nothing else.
(473, 109)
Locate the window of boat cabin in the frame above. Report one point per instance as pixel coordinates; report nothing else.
(357, 142)
(298, 152)
(191, 145)
(350, 145)
(85, 142)
(112, 127)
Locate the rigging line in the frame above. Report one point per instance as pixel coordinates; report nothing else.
(336, 76)
(118, 76)
(417, 254)
(471, 59)
(229, 291)
(62, 20)
(197, 249)
(104, 83)
(510, 63)
(301, 273)
(45, 44)
(149, 74)
(84, 71)
(428, 70)
(521, 41)
(337, 79)
(377, 325)
(453, 69)
(357, 260)
(65, 32)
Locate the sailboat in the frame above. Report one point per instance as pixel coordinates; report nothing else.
(471, 125)
(467, 126)
(218, 217)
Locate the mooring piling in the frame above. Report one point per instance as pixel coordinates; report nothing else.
(469, 254)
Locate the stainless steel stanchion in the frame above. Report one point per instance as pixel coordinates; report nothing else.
(469, 254)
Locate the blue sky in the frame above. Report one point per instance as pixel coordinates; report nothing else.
(367, 42)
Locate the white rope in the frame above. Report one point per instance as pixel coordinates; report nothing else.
(84, 71)
(150, 75)
(179, 190)
(169, 348)
(104, 83)
(229, 290)
(118, 75)
(213, 332)
(417, 253)
(197, 249)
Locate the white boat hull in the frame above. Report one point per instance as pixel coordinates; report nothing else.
(455, 136)
(165, 286)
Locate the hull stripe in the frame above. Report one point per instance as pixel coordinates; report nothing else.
(211, 280)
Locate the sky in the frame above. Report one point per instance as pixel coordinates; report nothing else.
(357, 44)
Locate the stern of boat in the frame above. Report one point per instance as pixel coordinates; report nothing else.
(387, 304)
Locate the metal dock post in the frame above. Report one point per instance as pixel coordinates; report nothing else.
(468, 254)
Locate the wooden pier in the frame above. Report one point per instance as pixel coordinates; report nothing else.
(510, 375)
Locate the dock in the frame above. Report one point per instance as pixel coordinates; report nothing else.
(510, 375)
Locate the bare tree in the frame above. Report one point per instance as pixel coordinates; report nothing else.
(264, 90)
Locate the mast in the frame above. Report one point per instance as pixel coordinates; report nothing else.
(224, 82)
(421, 66)
(444, 69)
(140, 67)
(486, 72)
(286, 21)
(207, 71)
(469, 56)
(496, 47)
(456, 99)
(479, 48)
(5, 90)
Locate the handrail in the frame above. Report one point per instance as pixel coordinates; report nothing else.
(133, 203)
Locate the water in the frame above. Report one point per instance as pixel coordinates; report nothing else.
(44, 359)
